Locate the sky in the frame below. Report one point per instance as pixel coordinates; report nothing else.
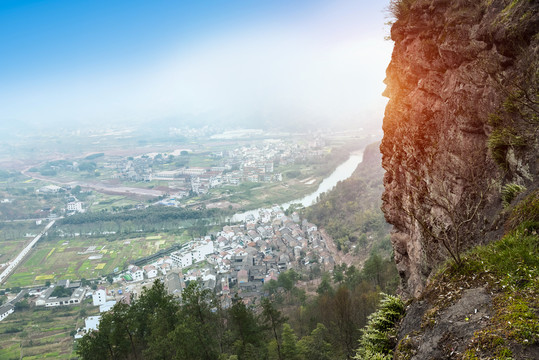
(102, 62)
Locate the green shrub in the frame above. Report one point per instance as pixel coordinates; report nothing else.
(375, 343)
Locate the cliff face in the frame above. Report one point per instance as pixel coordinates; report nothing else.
(461, 124)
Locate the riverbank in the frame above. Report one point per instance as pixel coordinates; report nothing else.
(342, 172)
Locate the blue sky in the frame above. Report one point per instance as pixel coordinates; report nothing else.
(107, 61)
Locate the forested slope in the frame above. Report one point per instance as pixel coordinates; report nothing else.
(350, 213)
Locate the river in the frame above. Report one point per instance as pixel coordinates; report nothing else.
(342, 172)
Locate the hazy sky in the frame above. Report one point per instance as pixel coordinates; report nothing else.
(115, 60)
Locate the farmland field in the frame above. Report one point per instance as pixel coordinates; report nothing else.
(76, 258)
(108, 202)
(39, 332)
(10, 248)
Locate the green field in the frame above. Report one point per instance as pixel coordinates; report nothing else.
(68, 258)
(39, 332)
(10, 248)
(101, 202)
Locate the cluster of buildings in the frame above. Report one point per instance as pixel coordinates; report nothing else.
(240, 258)
(253, 163)
(73, 205)
(45, 298)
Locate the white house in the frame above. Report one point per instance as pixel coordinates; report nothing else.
(137, 273)
(151, 271)
(205, 248)
(90, 323)
(74, 206)
(99, 296)
(182, 259)
(107, 306)
(6, 310)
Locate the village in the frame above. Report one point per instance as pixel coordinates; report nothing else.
(173, 178)
(248, 163)
(238, 260)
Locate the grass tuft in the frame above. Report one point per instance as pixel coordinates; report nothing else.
(500, 141)
(510, 192)
(526, 212)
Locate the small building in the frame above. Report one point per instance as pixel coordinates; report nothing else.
(182, 259)
(91, 323)
(5, 310)
(174, 282)
(151, 271)
(74, 206)
(137, 273)
(243, 276)
(99, 296)
(75, 298)
(107, 306)
(42, 299)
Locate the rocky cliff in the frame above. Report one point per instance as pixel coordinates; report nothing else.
(460, 129)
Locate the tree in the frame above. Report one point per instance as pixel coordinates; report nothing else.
(271, 286)
(22, 305)
(128, 331)
(315, 346)
(109, 341)
(290, 349)
(287, 279)
(338, 273)
(95, 344)
(154, 307)
(88, 166)
(346, 326)
(373, 268)
(325, 286)
(198, 323)
(273, 320)
(246, 333)
(351, 276)
(61, 291)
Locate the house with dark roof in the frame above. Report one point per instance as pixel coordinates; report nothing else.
(5, 310)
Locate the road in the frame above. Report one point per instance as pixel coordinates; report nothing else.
(15, 262)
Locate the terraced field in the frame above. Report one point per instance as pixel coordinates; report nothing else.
(41, 333)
